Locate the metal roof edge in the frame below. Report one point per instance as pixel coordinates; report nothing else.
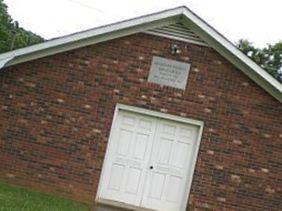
(140, 24)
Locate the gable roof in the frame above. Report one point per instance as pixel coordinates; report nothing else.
(148, 23)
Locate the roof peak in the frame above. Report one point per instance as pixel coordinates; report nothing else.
(143, 23)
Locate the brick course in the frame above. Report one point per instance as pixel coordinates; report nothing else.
(56, 114)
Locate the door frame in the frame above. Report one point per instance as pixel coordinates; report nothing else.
(137, 110)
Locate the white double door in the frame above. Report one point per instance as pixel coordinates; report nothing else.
(148, 162)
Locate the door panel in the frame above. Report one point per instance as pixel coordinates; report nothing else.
(171, 159)
(148, 161)
(128, 158)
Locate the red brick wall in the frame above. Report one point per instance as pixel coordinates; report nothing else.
(56, 114)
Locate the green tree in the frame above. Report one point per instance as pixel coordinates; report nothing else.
(269, 58)
(12, 36)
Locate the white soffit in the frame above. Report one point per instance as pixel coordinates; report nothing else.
(195, 24)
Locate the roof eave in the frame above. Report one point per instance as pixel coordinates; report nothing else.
(89, 37)
(141, 24)
(229, 51)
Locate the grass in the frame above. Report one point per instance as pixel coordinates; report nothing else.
(19, 199)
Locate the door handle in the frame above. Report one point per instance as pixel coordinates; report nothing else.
(151, 167)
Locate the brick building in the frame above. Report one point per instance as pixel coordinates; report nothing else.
(158, 112)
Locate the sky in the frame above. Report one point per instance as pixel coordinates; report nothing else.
(256, 20)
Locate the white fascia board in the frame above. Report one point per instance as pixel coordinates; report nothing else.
(77, 40)
(227, 49)
(4, 61)
(141, 24)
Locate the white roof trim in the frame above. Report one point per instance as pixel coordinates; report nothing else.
(142, 24)
(143, 20)
(231, 48)
(4, 61)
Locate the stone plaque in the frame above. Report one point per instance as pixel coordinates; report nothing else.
(169, 72)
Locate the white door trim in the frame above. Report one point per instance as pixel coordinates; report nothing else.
(190, 121)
